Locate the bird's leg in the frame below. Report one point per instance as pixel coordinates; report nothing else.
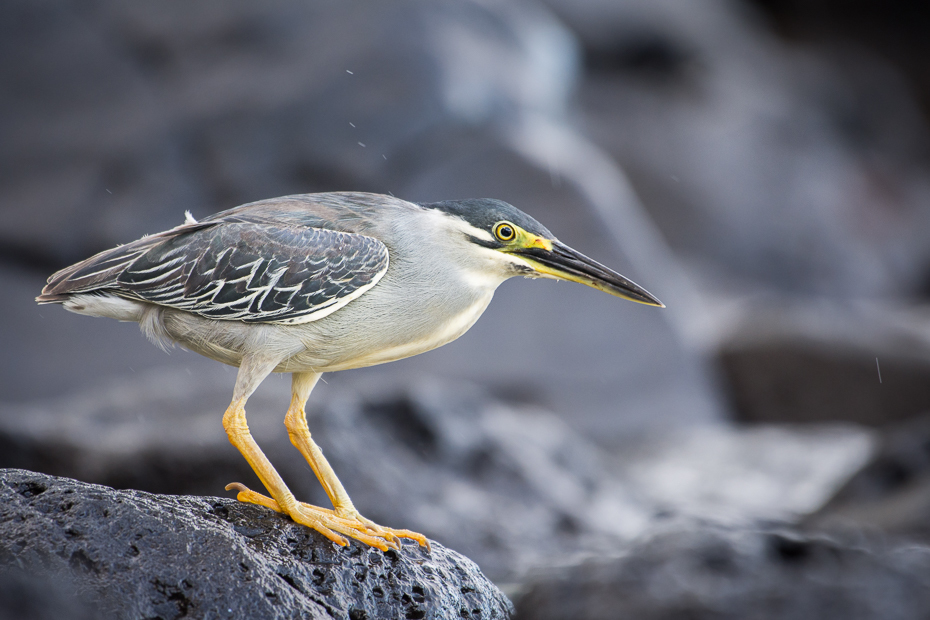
(345, 519)
(302, 384)
(327, 522)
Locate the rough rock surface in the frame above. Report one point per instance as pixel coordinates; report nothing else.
(136, 555)
(706, 572)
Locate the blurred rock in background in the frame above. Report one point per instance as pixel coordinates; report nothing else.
(697, 570)
(758, 161)
(152, 111)
(818, 362)
(892, 494)
(772, 192)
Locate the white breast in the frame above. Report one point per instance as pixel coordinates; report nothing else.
(449, 331)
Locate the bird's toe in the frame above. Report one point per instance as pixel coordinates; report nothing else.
(332, 523)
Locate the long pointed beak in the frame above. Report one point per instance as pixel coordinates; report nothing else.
(564, 263)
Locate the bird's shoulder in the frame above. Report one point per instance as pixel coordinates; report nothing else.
(350, 212)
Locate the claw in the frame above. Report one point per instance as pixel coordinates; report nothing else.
(248, 496)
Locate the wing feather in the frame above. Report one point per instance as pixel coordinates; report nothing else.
(256, 273)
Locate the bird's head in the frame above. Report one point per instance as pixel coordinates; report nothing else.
(529, 249)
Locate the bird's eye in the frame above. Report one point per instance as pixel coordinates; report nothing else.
(505, 231)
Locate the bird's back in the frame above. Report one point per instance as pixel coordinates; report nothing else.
(347, 212)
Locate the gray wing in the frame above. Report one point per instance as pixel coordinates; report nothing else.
(252, 272)
(257, 273)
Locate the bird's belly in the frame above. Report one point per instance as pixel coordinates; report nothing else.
(385, 346)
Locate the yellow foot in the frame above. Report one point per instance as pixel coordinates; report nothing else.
(327, 522)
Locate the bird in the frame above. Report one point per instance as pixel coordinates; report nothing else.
(315, 283)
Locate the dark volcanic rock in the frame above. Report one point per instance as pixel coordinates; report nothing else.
(788, 364)
(808, 381)
(136, 555)
(708, 572)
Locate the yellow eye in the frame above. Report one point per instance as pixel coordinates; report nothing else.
(505, 231)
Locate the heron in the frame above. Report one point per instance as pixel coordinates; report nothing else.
(316, 283)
